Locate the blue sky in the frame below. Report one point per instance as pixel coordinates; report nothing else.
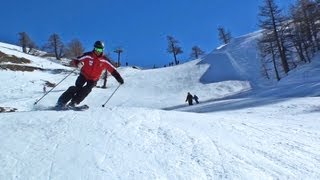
(139, 27)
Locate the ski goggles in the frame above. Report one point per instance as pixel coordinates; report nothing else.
(100, 50)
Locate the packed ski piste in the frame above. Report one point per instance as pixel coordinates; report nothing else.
(215, 117)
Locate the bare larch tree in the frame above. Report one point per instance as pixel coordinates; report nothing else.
(224, 36)
(25, 42)
(271, 20)
(174, 48)
(74, 49)
(55, 45)
(306, 28)
(196, 52)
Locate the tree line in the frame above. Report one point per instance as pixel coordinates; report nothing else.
(196, 52)
(288, 40)
(74, 48)
(54, 45)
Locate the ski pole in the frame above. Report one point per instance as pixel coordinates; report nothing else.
(111, 95)
(55, 86)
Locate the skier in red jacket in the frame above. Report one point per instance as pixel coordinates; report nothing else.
(91, 64)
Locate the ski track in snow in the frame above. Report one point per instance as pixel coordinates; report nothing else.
(235, 149)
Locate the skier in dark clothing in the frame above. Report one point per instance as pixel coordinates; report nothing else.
(195, 97)
(91, 64)
(189, 99)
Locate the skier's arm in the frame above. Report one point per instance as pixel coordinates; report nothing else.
(79, 61)
(114, 72)
(116, 75)
(74, 62)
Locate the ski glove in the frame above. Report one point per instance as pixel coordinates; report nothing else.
(120, 80)
(116, 75)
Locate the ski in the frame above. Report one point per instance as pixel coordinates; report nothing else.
(75, 108)
(67, 108)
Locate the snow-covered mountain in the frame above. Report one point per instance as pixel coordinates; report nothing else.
(242, 129)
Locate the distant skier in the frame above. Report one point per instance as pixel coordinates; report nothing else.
(189, 99)
(91, 64)
(195, 97)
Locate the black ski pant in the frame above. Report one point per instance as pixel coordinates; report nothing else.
(77, 93)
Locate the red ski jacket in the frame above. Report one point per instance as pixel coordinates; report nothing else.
(94, 65)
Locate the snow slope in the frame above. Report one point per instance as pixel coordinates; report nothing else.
(35, 61)
(235, 61)
(148, 132)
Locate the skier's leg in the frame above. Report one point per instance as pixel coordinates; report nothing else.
(81, 80)
(83, 92)
(67, 96)
(71, 91)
